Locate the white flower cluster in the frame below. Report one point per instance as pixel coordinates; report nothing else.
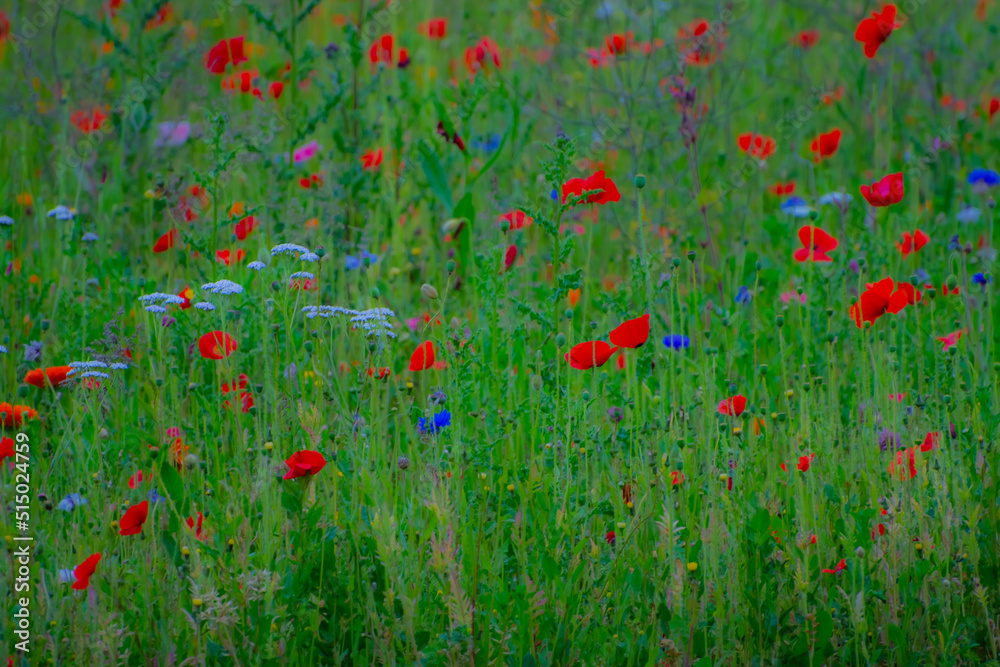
(309, 257)
(289, 249)
(257, 265)
(160, 297)
(313, 312)
(223, 287)
(375, 322)
(204, 305)
(87, 365)
(118, 366)
(154, 308)
(61, 213)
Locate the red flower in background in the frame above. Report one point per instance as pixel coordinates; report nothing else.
(383, 50)
(631, 333)
(246, 398)
(816, 244)
(7, 448)
(434, 28)
(165, 242)
(912, 243)
(931, 441)
(804, 462)
(216, 345)
(510, 257)
(878, 300)
(481, 56)
(135, 516)
(618, 43)
(885, 192)
(225, 52)
(14, 415)
(782, 189)
(371, 160)
(88, 122)
(597, 181)
(187, 293)
(138, 478)
(380, 373)
(609, 537)
(244, 227)
(304, 463)
(733, 406)
(896, 464)
(422, 357)
(842, 565)
(84, 571)
(807, 39)
(592, 354)
(275, 88)
(223, 255)
(196, 526)
(951, 339)
(992, 108)
(757, 145)
(699, 45)
(56, 375)
(517, 219)
(826, 144)
(872, 32)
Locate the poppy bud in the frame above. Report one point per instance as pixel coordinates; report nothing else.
(762, 369)
(757, 265)
(375, 293)
(454, 324)
(782, 417)
(190, 461)
(159, 382)
(690, 255)
(366, 260)
(321, 251)
(154, 453)
(593, 325)
(676, 261)
(779, 321)
(639, 181)
(309, 346)
(568, 313)
(505, 226)
(428, 292)
(585, 395)
(861, 261)
(450, 266)
(951, 281)
(536, 382)
(22, 390)
(276, 286)
(560, 340)
(931, 293)
(813, 215)
(680, 443)
(45, 325)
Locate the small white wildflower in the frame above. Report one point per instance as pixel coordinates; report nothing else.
(223, 287)
(288, 249)
(204, 305)
(61, 213)
(257, 266)
(6, 220)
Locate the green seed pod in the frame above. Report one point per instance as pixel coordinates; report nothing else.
(779, 321)
(450, 266)
(951, 281)
(676, 261)
(560, 340)
(504, 226)
(568, 313)
(690, 255)
(375, 293)
(639, 181)
(321, 251)
(585, 395)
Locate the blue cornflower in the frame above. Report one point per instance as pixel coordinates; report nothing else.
(554, 194)
(352, 262)
(154, 497)
(743, 295)
(922, 275)
(982, 180)
(968, 214)
(489, 145)
(796, 206)
(982, 279)
(677, 341)
(955, 244)
(71, 502)
(441, 420)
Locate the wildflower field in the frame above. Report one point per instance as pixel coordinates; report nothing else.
(522, 333)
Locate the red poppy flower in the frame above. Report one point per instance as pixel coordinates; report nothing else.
(697, 44)
(896, 464)
(631, 333)
(757, 145)
(510, 257)
(187, 293)
(7, 448)
(816, 244)
(275, 89)
(313, 181)
(56, 376)
(304, 463)
(137, 478)
(609, 537)
(14, 415)
(434, 28)
(872, 32)
(196, 526)
(225, 52)
(913, 295)
(246, 398)
(592, 354)
(88, 122)
(912, 243)
(223, 255)
(885, 192)
(517, 219)
(597, 181)
(618, 43)
(481, 56)
(422, 357)
(84, 571)
(734, 406)
(878, 300)
(807, 39)
(878, 531)
(842, 565)
(676, 477)
(244, 227)
(826, 144)
(782, 189)
(383, 50)
(135, 516)
(992, 109)
(379, 373)
(162, 15)
(371, 160)
(931, 441)
(165, 242)
(804, 462)
(951, 339)
(216, 345)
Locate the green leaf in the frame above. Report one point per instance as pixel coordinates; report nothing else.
(824, 631)
(831, 494)
(174, 487)
(436, 177)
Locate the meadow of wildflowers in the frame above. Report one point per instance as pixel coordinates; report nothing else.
(523, 333)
